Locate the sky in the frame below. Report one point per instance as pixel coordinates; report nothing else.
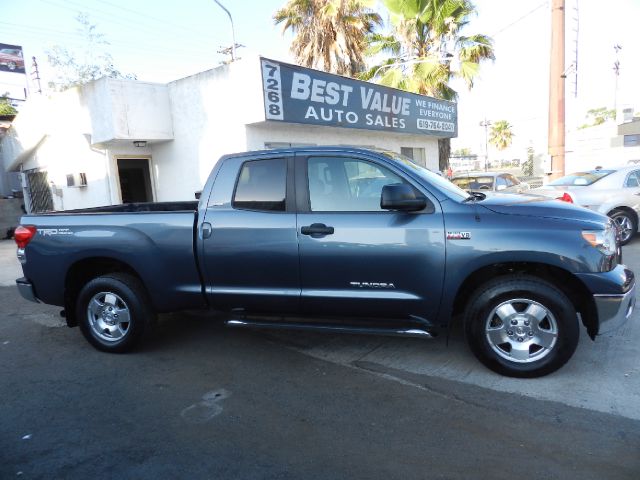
(161, 41)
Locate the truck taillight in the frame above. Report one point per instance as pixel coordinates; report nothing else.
(565, 198)
(23, 235)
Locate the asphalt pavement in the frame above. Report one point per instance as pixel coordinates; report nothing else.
(202, 401)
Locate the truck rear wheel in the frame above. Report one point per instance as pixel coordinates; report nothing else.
(113, 312)
(521, 326)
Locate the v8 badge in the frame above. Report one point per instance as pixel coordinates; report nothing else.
(458, 235)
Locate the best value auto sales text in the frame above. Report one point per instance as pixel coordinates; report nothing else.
(386, 109)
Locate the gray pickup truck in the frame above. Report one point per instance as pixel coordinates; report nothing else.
(344, 240)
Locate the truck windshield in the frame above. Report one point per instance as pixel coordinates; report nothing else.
(442, 183)
(581, 178)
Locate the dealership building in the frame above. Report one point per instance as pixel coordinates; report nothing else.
(117, 141)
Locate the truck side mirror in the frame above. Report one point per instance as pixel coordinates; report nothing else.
(400, 196)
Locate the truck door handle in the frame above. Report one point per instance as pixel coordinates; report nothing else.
(317, 230)
(206, 229)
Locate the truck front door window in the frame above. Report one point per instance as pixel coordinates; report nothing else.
(347, 185)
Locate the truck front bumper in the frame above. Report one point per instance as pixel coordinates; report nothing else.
(26, 290)
(614, 296)
(614, 310)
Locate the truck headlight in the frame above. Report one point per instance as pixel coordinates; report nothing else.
(603, 240)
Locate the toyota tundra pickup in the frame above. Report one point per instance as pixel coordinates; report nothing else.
(338, 239)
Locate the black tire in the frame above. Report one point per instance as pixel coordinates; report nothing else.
(626, 223)
(544, 338)
(126, 297)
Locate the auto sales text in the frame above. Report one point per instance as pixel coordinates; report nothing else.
(385, 108)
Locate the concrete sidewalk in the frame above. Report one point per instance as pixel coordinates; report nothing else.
(10, 268)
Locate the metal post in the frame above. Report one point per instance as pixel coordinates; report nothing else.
(486, 123)
(556, 90)
(616, 71)
(35, 74)
(233, 33)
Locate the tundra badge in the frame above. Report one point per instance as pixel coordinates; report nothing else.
(372, 285)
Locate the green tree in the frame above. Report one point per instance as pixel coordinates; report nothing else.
(5, 106)
(501, 134)
(426, 50)
(329, 35)
(598, 116)
(527, 167)
(79, 66)
(462, 152)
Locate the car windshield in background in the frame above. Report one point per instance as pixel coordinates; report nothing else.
(474, 183)
(434, 178)
(581, 178)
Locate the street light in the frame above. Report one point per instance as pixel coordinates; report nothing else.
(233, 33)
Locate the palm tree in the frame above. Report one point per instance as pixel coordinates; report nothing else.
(427, 50)
(501, 135)
(329, 35)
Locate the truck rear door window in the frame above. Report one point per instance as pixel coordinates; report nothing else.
(262, 185)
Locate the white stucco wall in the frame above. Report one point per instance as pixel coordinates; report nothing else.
(209, 112)
(85, 130)
(188, 125)
(221, 111)
(259, 134)
(66, 153)
(127, 110)
(597, 146)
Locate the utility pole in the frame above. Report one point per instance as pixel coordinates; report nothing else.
(616, 71)
(486, 124)
(233, 32)
(35, 74)
(576, 38)
(229, 51)
(556, 90)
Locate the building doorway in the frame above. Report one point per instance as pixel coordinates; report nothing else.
(135, 180)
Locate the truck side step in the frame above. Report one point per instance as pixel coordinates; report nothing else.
(331, 328)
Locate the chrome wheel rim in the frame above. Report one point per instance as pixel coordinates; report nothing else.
(521, 330)
(625, 227)
(109, 317)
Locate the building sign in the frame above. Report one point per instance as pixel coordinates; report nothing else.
(301, 95)
(11, 59)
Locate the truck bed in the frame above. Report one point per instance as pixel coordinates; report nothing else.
(155, 239)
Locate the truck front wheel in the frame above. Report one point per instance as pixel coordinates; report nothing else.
(113, 312)
(521, 326)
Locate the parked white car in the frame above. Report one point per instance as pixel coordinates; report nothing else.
(611, 191)
(491, 181)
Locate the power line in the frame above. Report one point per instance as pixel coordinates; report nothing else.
(78, 40)
(147, 16)
(117, 20)
(521, 18)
